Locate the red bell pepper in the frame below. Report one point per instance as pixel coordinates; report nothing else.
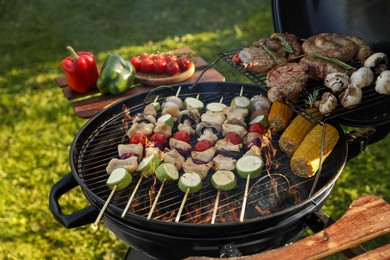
(80, 70)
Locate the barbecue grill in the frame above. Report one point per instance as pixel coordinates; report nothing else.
(279, 203)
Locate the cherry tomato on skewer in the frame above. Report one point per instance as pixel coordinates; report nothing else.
(182, 136)
(138, 138)
(202, 145)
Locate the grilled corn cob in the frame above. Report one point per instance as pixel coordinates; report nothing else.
(298, 129)
(306, 159)
(279, 116)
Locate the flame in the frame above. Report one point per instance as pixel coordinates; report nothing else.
(270, 150)
(261, 211)
(169, 216)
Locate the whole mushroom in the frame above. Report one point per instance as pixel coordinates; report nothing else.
(328, 103)
(336, 81)
(382, 84)
(363, 77)
(351, 97)
(377, 61)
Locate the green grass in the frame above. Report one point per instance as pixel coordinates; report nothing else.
(38, 124)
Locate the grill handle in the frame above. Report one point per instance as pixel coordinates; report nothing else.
(76, 219)
(359, 139)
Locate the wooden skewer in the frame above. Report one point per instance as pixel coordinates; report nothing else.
(132, 196)
(155, 200)
(197, 96)
(178, 91)
(155, 99)
(182, 205)
(242, 91)
(218, 193)
(94, 225)
(245, 198)
(215, 207)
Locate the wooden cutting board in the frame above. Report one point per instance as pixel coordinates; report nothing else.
(153, 79)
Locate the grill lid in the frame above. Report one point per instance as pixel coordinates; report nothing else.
(356, 17)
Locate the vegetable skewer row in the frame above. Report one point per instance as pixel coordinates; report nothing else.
(119, 179)
(135, 148)
(189, 182)
(168, 171)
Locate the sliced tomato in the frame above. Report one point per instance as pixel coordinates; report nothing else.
(138, 138)
(233, 138)
(202, 145)
(258, 128)
(182, 136)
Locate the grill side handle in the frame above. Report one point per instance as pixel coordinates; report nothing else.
(79, 218)
(359, 139)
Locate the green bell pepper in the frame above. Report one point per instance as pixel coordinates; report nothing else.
(116, 76)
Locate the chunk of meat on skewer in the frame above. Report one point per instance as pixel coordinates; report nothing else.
(130, 164)
(174, 157)
(235, 112)
(146, 129)
(186, 128)
(238, 129)
(208, 136)
(163, 128)
(225, 144)
(204, 156)
(213, 117)
(131, 150)
(201, 169)
(224, 163)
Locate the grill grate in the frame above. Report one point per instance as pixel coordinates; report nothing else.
(373, 109)
(277, 188)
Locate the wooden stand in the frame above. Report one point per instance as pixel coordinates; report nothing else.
(367, 217)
